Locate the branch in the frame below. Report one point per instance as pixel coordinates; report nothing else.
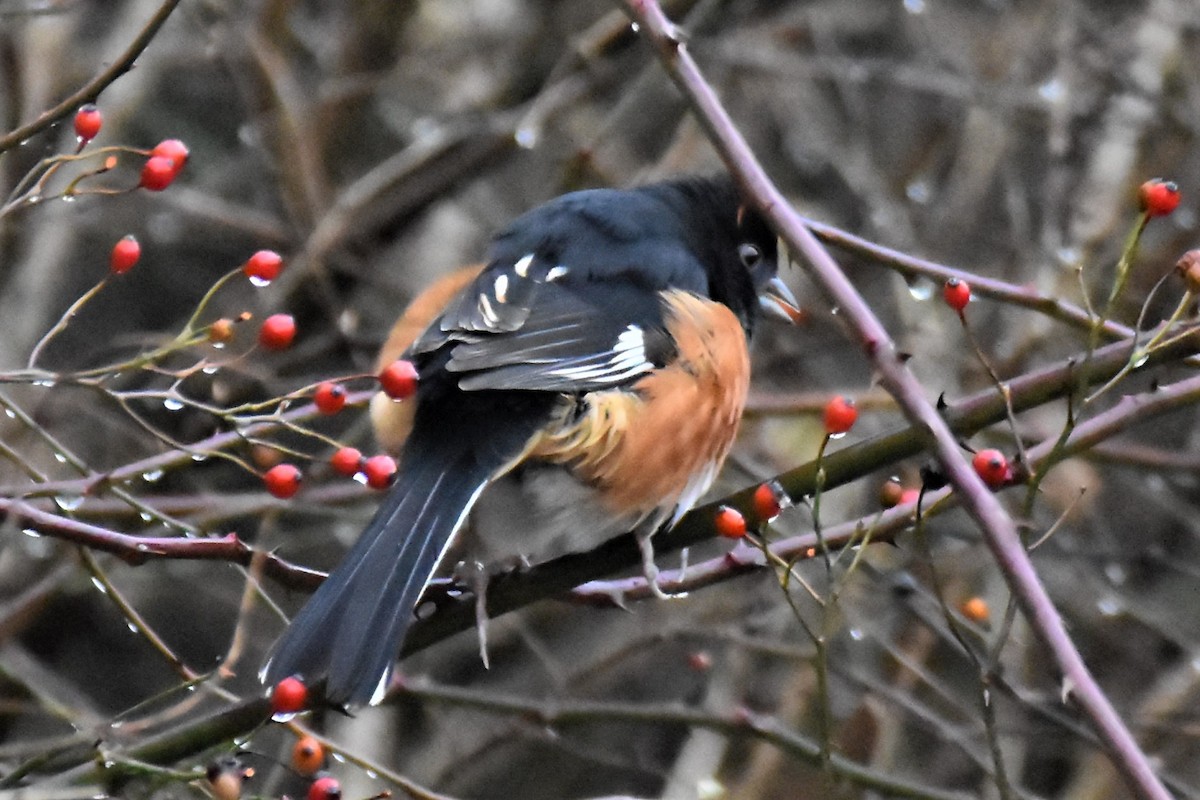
(92, 89)
(998, 528)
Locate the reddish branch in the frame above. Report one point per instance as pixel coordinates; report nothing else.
(1000, 532)
(135, 550)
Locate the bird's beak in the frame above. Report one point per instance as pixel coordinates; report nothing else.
(777, 300)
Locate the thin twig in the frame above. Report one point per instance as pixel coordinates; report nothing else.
(92, 89)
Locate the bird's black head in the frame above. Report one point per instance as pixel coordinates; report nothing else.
(737, 247)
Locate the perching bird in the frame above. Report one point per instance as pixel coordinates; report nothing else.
(602, 349)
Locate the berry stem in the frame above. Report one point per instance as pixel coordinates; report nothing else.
(63, 322)
(1001, 386)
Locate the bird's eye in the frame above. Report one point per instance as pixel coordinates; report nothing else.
(749, 254)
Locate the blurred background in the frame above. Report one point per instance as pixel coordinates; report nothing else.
(378, 145)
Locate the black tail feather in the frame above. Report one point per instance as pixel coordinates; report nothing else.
(350, 631)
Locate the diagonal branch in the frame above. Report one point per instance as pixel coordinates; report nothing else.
(998, 528)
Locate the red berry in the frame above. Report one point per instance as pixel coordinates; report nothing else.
(399, 379)
(158, 173)
(263, 267)
(992, 468)
(283, 480)
(173, 149)
(88, 120)
(325, 788)
(957, 294)
(730, 523)
(289, 696)
(1158, 197)
(346, 461)
(840, 415)
(766, 502)
(379, 471)
(308, 755)
(330, 398)
(125, 254)
(277, 332)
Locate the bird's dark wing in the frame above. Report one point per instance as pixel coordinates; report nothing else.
(536, 327)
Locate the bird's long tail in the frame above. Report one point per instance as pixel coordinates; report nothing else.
(351, 629)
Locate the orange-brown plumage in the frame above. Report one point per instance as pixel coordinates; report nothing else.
(643, 449)
(393, 421)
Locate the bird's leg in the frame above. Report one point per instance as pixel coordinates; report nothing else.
(475, 575)
(649, 568)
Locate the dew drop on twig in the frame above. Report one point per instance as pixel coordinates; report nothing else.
(68, 502)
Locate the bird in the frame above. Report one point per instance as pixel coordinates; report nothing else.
(600, 353)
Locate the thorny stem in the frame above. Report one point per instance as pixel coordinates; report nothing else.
(998, 528)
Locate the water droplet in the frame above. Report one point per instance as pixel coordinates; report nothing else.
(96, 582)
(116, 724)
(143, 548)
(987, 697)
(914, 6)
(920, 288)
(45, 383)
(635, 27)
(835, 436)
(211, 369)
(31, 532)
(199, 458)
(1052, 90)
(68, 198)
(526, 137)
(145, 516)
(218, 345)
(338, 757)
(360, 478)
(152, 475)
(8, 412)
(918, 191)
(172, 404)
(1141, 362)
(835, 310)
(60, 458)
(256, 280)
(1109, 606)
(132, 628)
(68, 502)
(372, 774)
(856, 634)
